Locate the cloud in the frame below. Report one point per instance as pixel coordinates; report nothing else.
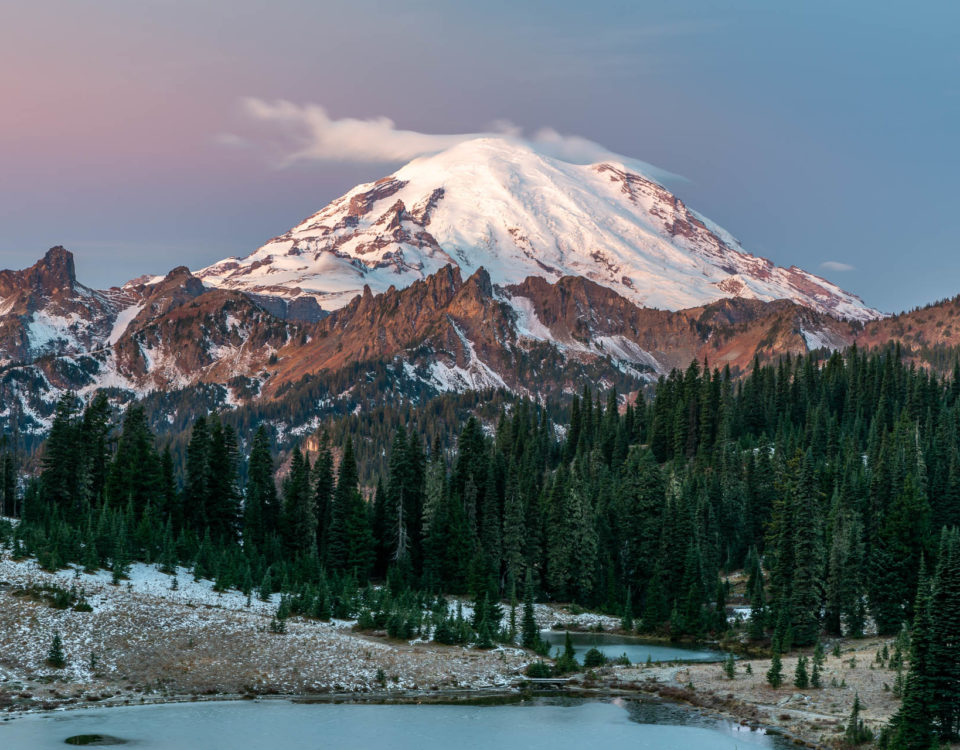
(308, 133)
(296, 133)
(834, 265)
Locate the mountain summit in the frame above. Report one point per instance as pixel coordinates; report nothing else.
(497, 203)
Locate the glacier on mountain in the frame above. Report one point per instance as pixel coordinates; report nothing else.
(495, 202)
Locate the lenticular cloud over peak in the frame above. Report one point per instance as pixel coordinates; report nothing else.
(296, 133)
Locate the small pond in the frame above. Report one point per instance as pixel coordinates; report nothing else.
(636, 649)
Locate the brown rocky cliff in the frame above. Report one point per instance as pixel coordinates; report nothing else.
(51, 276)
(45, 310)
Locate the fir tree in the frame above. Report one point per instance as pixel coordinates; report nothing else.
(299, 520)
(912, 727)
(323, 486)
(55, 656)
(350, 546)
(530, 633)
(775, 673)
(856, 732)
(944, 625)
(513, 527)
(729, 667)
(801, 678)
(196, 484)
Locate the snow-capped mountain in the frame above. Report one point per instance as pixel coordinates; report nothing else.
(497, 203)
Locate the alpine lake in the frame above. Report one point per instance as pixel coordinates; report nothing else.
(540, 723)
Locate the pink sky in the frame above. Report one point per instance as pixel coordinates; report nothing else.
(799, 128)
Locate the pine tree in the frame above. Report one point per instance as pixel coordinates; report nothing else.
(775, 673)
(856, 732)
(567, 660)
(806, 574)
(55, 656)
(815, 678)
(350, 547)
(265, 590)
(8, 484)
(436, 488)
(223, 493)
(911, 726)
(944, 657)
(400, 503)
(262, 508)
(61, 462)
(844, 591)
(729, 667)
(640, 510)
(299, 520)
(323, 486)
(196, 485)
(530, 633)
(513, 527)
(801, 678)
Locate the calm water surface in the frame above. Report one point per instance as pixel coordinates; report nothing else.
(547, 724)
(636, 649)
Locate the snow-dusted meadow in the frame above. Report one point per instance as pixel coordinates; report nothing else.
(142, 638)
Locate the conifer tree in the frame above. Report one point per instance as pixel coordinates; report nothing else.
(222, 512)
(350, 547)
(435, 490)
(513, 527)
(912, 727)
(299, 519)
(856, 732)
(323, 486)
(530, 633)
(196, 484)
(729, 667)
(801, 678)
(806, 575)
(944, 658)
(262, 508)
(55, 656)
(775, 673)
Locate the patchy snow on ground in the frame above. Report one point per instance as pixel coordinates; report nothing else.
(144, 637)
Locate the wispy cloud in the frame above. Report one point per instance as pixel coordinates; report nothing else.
(835, 265)
(296, 133)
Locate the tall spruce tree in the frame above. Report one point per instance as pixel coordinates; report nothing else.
(912, 726)
(351, 545)
(299, 520)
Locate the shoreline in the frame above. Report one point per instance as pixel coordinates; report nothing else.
(144, 643)
(465, 697)
(480, 696)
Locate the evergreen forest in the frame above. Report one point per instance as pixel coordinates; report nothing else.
(831, 482)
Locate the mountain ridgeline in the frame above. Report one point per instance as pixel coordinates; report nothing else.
(181, 348)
